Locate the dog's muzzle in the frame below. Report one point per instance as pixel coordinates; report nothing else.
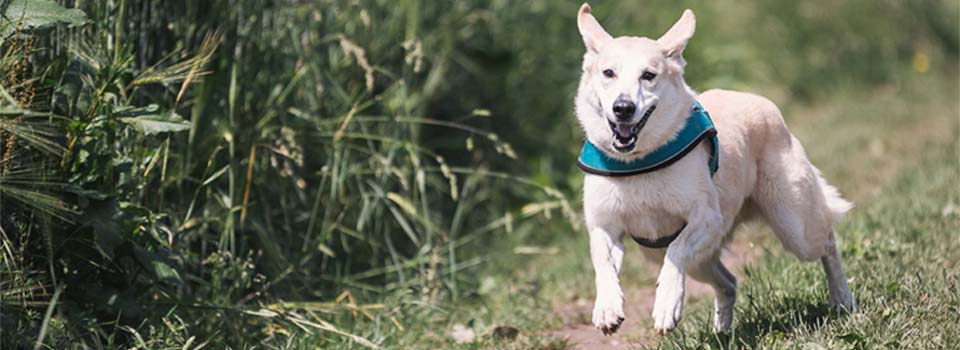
(625, 134)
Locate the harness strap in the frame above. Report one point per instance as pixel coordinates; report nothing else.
(699, 127)
(661, 242)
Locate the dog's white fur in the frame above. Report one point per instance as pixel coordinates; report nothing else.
(763, 170)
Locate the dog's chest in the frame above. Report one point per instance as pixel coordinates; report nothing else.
(648, 205)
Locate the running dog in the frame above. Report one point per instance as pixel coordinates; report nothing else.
(677, 171)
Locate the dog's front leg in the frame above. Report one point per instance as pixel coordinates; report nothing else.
(698, 241)
(606, 251)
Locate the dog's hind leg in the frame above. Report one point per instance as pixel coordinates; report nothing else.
(724, 285)
(840, 294)
(809, 237)
(802, 208)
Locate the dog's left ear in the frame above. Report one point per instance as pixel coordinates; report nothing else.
(675, 40)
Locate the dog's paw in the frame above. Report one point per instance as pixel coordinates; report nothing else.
(722, 316)
(666, 316)
(668, 308)
(843, 301)
(608, 314)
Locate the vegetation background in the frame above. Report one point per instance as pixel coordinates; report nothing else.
(347, 174)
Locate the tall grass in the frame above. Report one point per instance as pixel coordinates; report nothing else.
(306, 190)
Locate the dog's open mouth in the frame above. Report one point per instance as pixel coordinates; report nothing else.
(625, 135)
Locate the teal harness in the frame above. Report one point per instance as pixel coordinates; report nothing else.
(699, 127)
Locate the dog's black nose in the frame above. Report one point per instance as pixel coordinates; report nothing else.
(623, 108)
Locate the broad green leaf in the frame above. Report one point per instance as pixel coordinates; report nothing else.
(131, 111)
(155, 123)
(38, 14)
(166, 273)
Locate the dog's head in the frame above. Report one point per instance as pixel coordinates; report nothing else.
(632, 96)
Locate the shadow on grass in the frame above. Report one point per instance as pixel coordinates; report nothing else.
(777, 320)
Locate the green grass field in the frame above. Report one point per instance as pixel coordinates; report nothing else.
(338, 174)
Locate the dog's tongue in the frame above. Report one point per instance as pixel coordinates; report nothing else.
(624, 130)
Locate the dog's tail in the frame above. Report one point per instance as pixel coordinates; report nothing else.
(837, 206)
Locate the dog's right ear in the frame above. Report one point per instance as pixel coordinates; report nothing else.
(594, 37)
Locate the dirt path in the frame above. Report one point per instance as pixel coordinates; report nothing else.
(637, 330)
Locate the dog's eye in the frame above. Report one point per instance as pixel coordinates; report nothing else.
(648, 76)
(608, 73)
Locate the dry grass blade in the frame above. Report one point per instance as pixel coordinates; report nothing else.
(32, 128)
(207, 48)
(36, 199)
(246, 188)
(327, 326)
(186, 71)
(47, 316)
(302, 322)
(343, 126)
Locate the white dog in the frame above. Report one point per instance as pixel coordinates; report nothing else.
(635, 107)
